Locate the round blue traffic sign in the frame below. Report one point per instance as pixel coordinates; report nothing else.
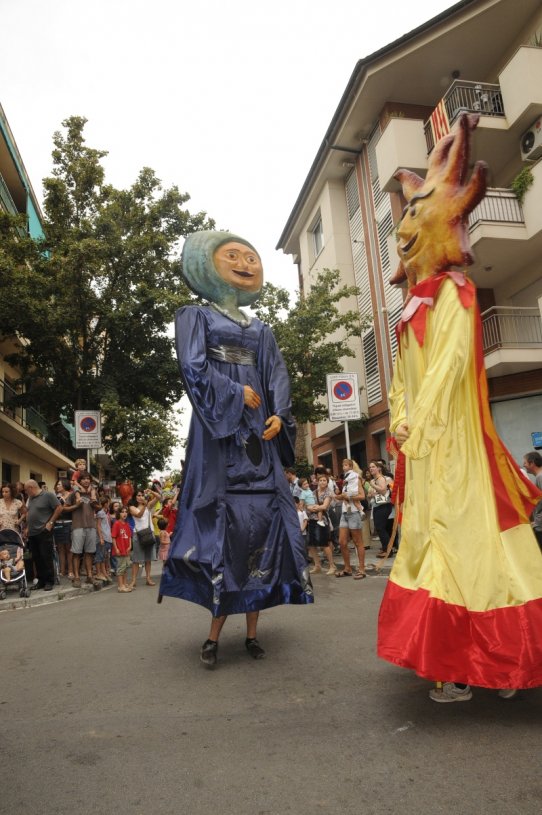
(342, 390)
(88, 424)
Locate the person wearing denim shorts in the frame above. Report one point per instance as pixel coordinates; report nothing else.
(351, 524)
(83, 505)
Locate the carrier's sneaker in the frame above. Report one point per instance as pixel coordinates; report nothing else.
(508, 693)
(254, 648)
(208, 653)
(450, 693)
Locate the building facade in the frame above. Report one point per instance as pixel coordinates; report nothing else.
(482, 56)
(30, 447)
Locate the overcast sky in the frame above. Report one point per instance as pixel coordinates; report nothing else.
(228, 99)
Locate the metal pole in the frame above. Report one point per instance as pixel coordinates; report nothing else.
(88, 460)
(347, 439)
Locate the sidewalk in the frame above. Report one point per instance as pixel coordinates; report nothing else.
(63, 591)
(374, 566)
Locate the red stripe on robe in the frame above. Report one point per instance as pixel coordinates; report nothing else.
(500, 648)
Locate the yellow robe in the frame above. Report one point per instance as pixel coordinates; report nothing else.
(463, 601)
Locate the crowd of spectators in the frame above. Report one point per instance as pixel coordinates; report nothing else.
(76, 532)
(346, 513)
(342, 513)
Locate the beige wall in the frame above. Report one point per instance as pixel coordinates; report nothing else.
(25, 465)
(335, 254)
(23, 450)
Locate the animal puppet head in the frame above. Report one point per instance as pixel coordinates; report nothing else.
(432, 234)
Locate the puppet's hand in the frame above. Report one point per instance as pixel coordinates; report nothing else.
(401, 435)
(273, 424)
(251, 398)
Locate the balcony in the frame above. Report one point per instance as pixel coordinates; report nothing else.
(512, 340)
(5, 198)
(521, 85)
(471, 97)
(8, 204)
(500, 206)
(400, 145)
(32, 421)
(497, 226)
(506, 236)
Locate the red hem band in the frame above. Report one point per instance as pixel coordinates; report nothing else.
(500, 648)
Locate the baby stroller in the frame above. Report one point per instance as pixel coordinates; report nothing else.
(12, 541)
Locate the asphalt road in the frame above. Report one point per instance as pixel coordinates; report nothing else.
(106, 709)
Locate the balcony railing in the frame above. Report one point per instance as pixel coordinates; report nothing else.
(468, 97)
(7, 203)
(32, 420)
(505, 327)
(6, 199)
(500, 205)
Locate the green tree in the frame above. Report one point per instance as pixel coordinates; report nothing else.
(94, 300)
(312, 335)
(141, 435)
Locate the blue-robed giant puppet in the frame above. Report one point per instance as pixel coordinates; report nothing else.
(237, 545)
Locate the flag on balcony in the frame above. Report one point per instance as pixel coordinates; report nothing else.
(440, 124)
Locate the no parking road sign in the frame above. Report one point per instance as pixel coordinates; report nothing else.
(343, 397)
(88, 429)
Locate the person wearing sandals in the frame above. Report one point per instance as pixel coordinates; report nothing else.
(352, 517)
(319, 532)
(140, 510)
(381, 494)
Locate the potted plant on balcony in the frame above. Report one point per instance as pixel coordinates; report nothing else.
(521, 183)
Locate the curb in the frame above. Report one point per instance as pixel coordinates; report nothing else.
(41, 598)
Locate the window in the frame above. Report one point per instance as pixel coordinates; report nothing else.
(317, 237)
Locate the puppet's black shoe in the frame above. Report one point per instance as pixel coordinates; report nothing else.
(254, 648)
(208, 653)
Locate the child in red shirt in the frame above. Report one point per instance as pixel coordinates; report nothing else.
(122, 544)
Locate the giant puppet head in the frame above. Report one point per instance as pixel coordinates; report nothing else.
(432, 234)
(222, 267)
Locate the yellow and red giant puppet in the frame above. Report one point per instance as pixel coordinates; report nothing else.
(464, 599)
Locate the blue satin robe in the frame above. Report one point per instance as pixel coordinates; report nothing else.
(237, 545)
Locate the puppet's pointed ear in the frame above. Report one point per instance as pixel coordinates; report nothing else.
(409, 181)
(400, 275)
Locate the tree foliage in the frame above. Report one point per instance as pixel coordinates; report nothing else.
(94, 299)
(141, 436)
(312, 335)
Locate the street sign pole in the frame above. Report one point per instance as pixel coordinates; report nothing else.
(347, 439)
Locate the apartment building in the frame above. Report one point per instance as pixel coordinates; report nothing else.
(482, 56)
(30, 447)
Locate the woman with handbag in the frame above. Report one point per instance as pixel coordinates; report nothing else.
(380, 492)
(144, 541)
(319, 532)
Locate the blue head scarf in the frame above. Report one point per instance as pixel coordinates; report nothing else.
(199, 269)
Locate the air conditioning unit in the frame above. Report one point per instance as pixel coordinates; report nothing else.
(531, 141)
